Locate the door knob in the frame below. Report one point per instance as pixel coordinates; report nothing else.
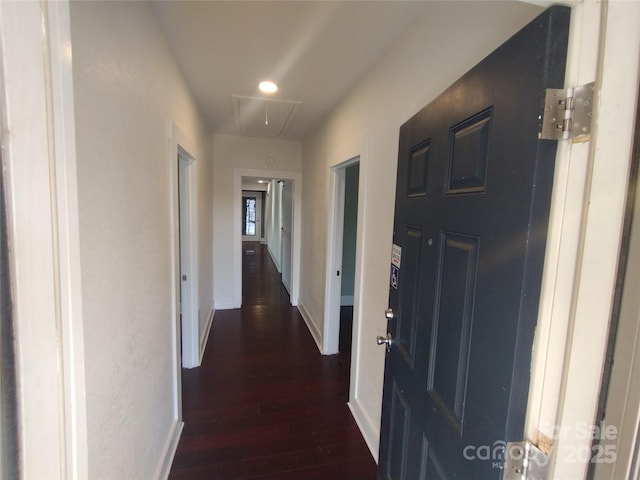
(388, 340)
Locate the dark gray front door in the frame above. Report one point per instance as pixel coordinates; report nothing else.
(472, 203)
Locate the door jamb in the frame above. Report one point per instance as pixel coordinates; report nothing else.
(333, 281)
(358, 148)
(177, 140)
(42, 203)
(584, 239)
(619, 400)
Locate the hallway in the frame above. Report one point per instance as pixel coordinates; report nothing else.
(265, 405)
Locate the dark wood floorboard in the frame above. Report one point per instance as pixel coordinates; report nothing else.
(265, 405)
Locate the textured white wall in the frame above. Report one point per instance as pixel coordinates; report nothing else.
(440, 48)
(127, 89)
(229, 152)
(204, 186)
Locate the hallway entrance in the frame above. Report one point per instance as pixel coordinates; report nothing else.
(282, 220)
(264, 404)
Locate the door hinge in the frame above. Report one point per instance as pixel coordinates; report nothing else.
(524, 461)
(568, 113)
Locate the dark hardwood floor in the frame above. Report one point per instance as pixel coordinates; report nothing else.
(265, 405)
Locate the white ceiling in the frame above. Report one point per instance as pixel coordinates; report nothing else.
(314, 50)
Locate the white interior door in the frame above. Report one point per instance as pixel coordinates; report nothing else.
(287, 229)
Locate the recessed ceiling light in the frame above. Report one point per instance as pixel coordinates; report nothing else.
(268, 87)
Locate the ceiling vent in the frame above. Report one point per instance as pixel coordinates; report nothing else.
(263, 117)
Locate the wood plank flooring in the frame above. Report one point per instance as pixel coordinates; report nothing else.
(265, 405)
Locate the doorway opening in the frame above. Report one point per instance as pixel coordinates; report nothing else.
(278, 229)
(267, 205)
(341, 298)
(249, 216)
(253, 206)
(348, 274)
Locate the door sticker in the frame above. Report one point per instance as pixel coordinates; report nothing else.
(396, 253)
(395, 275)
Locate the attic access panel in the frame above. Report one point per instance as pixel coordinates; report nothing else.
(264, 117)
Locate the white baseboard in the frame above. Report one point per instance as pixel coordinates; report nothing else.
(315, 333)
(169, 451)
(346, 300)
(225, 304)
(286, 285)
(276, 262)
(369, 430)
(205, 334)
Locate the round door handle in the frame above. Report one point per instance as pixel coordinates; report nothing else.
(388, 340)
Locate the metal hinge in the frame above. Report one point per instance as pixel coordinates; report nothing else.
(524, 461)
(568, 113)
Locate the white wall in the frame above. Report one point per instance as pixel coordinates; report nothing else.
(204, 191)
(127, 90)
(234, 152)
(440, 48)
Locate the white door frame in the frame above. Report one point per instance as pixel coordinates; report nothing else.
(622, 413)
(296, 177)
(359, 149)
(39, 155)
(333, 280)
(185, 333)
(188, 260)
(285, 254)
(585, 225)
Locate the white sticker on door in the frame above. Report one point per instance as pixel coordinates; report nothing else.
(396, 253)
